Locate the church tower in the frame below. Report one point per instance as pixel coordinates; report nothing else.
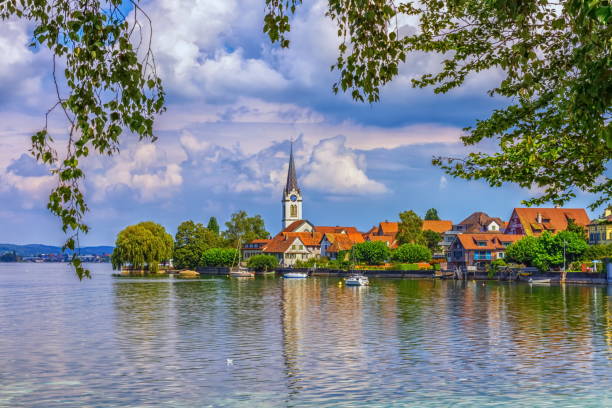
(292, 197)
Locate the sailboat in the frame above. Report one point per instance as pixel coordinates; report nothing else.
(238, 271)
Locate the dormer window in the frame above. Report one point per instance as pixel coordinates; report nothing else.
(481, 243)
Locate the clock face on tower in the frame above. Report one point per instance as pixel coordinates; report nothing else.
(293, 197)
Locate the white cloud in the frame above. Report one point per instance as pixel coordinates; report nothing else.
(21, 70)
(142, 168)
(334, 168)
(443, 182)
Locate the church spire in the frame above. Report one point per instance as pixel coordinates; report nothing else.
(292, 183)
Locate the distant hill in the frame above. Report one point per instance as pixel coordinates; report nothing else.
(38, 249)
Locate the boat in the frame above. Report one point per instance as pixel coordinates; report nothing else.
(295, 275)
(536, 281)
(240, 271)
(357, 280)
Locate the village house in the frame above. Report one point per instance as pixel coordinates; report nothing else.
(474, 223)
(253, 248)
(478, 249)
(600, 229)
(335, 242)
(534, 221)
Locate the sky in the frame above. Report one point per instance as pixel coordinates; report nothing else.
(234, 102)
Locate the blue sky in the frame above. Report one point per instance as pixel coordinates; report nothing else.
(234, 102)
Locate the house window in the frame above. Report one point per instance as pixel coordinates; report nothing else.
(482, 255)
(457, 254)
(501, 255)
(481, 243)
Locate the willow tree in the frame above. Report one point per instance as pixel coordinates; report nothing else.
(109, 86)
(142, 246)
(555, 133)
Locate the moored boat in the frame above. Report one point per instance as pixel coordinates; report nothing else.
(241, 272)
(536, 281)
(295, 275)
(357, 280)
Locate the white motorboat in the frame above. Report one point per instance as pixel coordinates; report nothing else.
(538, 281)
(357, 280)
(295, 275)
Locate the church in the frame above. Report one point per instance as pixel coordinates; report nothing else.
(299, 239)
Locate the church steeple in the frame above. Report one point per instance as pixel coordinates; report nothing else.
(292, 196)
(292, 184)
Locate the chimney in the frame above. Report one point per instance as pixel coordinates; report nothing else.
(539, 218)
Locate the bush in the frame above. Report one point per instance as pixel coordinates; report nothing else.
(599, 251)
(494, 267)
(411, 253)
(262, 262)
(371, 252)
(220, 257)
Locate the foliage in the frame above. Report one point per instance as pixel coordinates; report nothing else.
(219, 257)
(143, 246)
(547, 250)
(243, 228)
(554, 57)
(213, 225)
(409, 228)
(411, 253)
(578, 229)
(370, 252)
(599, 251)
(432, 240)
(321, 262)
(523, 251)
(109, 85)
(408, 267)
(191, 240)
(262, 262)
(432, 214)
(494, 266)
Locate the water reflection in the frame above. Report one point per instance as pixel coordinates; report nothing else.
(307, 342)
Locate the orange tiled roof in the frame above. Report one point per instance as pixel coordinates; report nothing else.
(493, 241)
(278, 244)
(553, 219)
(390, 240)
(439, 226)
(336, 229)
(389, 228)
(260, 241)
(307, 238)
(342, 242)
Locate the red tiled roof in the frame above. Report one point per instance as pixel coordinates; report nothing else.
(553, 219)
(439, 226)
(493, 241)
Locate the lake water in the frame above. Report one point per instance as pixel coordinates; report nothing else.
(269, 342)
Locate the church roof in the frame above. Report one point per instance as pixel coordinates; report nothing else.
(292, 183)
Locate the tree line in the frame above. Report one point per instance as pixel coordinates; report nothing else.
(146, 245)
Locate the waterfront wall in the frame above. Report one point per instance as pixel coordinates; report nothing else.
(213, 270)
(572, 277)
